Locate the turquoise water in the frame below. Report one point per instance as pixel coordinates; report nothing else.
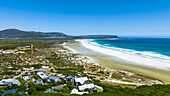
(158, 48)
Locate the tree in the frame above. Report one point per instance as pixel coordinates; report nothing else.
(22, 88)
(87, 89)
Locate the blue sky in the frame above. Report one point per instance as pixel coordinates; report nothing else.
(87, 17)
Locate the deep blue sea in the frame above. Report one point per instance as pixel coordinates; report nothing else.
(158, 48)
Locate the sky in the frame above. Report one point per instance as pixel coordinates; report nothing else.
(88, 17)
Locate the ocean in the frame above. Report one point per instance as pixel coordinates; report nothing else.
(151, 48)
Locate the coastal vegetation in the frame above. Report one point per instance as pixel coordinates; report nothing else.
(56, 60)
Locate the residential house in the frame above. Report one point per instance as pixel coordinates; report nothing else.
(5, 82)
(10, 91)
(75, 91)
(58, 87)
(41, 75)
(26, 77)
(39, 81)
(87, 86)
(100, 88)
(52, 79)
(69, 78)
(49, 90)
(45, 67)
(81, 81)
(1, 51)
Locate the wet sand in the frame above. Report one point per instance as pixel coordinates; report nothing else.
(113, 63)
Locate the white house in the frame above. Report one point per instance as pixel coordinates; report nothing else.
(41, 75)
(26, 77)
(86, 86)
(101, 88)
(81, 81)
(45, 67)
(75, 91)
(9, 81)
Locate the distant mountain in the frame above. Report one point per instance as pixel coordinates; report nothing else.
(15, 33)
(57, 35)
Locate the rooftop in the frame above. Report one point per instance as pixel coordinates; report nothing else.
(39, 81)
(10, 91)
(75, 91)
(89, 86)
(41, 75)
(9, 81)
(81, 79)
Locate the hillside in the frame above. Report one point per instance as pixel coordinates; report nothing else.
(15, 33)
(57, 35)
(19, 34)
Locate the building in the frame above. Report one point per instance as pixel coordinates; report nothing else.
(39, 81)
(100, 88)
(26, 77)
(45, 67)
(49, 90)
(69, 78)
(86, 86)
(52, 79)
(10, 91)
(41, 75)
(5, 82)
(81, 81)
(1, 51)
(75, 91)
(59, 87)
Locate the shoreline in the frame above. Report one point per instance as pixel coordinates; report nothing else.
(112, 64)
(94, 61)
(91, 59)
(128, 58)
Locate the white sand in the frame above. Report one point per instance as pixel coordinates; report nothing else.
(122, 82)
(71, 49)
(153, 63)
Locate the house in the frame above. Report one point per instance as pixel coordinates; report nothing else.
(5, 82)
(52, 79)
(69, 78)
(86, 86)
(75, 91)
(58, 87)
(49, 90)
(100, 88)
(10, 91)
(45, 72)
(31, 68)
(45, 67)
(39, 81)
(41, 75)
(26, 77)
(22, 92)
(20, 52)
(81, 81)
(1, 51)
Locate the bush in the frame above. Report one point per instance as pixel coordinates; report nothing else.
(102, 72)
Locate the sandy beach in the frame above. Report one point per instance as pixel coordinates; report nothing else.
(161, 73)
(148, 62)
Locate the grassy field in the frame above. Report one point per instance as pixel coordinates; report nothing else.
(111, 63)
